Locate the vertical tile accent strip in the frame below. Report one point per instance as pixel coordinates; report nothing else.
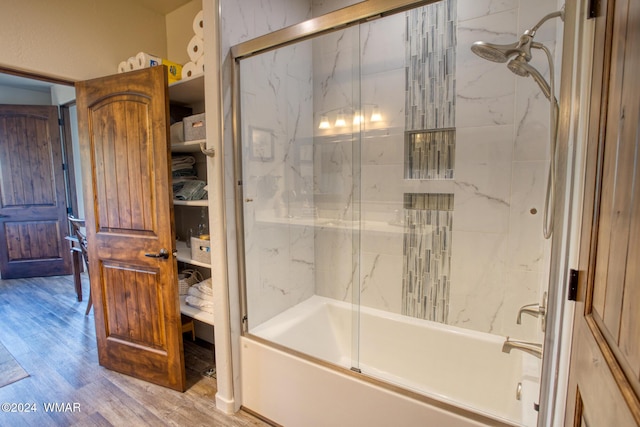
(427, 256)
(431, 66)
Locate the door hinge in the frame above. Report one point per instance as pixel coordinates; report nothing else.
(64, 166)
(594, 9)
(573, 285)
(69, 211)
(244, 319)
(60, 122)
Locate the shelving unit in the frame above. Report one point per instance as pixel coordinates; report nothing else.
(190, 93)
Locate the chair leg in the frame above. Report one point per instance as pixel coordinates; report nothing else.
(89, 304)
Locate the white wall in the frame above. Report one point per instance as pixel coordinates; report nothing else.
(13, 95)
(77, 39)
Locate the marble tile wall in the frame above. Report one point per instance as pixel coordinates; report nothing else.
(499, 261)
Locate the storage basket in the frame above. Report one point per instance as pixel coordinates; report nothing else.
(201, 250)
(188, 278)
(194, 127)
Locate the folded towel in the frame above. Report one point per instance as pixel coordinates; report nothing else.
(189, 190)
(182, 162)
(205, 287)
(199, 303)
(195, 292)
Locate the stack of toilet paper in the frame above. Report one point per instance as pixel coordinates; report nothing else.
(145, 60)
(195, 49)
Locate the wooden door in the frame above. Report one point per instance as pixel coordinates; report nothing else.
(604, 383)
(123, 127)
(33, 208)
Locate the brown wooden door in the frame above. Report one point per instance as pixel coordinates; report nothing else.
(123, 127)
(604, 382)
(33, 213)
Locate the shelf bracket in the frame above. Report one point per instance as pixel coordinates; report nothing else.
(209, 152)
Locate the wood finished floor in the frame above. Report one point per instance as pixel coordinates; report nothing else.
(46, 331)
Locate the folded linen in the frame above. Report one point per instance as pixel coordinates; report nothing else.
(205, 287)
(199, 303)
(195, 292)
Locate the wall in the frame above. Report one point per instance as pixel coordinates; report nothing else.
(14, 95)
(178, 24)
(77, 39)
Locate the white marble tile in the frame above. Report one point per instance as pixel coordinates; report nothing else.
(383, 45)
(526, 248)
(386, 90)
(532, 122)
(482, 178)
(477, 280)
(495, 28)
(381, 281)
(469, 9)
(530, 13)
(485, 94)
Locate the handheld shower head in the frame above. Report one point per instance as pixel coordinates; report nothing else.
(522, 68)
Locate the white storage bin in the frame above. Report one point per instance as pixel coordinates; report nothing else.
(201, 250)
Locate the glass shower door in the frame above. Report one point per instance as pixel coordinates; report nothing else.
(300, 194)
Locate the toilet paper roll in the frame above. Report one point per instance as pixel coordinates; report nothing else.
(145, 60)
(132, 64)
(189, 70)
(198, 25)
(123, 67)
(200, 65)
(195, 48)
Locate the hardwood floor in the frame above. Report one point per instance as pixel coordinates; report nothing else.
(47, 332)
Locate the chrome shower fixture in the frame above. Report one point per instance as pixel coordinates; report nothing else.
(518, 55)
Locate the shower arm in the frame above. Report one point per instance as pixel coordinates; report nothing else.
(556, 14)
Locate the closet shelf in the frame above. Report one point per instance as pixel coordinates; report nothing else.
(184, 255)
(187, 146)
(187, 91)
(202, 203)
(194, 312)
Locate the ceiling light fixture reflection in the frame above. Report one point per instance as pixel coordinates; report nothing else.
(358, 118)
(375, 114)
(340, 122)
(324, 122)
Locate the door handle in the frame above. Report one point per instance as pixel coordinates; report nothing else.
(164, 254)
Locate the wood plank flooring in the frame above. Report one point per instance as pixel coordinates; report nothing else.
(46, 331)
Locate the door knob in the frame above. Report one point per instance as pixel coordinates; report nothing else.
(164, 254)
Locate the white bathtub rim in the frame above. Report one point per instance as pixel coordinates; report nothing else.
(269, 332)
(316, 302)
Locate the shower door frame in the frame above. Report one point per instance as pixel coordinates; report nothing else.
(359, 13)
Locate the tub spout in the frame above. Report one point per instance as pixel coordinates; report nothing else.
(528, 347)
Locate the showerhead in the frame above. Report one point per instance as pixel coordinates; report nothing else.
(495, 52)
(522, 68)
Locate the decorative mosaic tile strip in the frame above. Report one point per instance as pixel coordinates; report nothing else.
(427, 256)
(430, 66)
(430, 154)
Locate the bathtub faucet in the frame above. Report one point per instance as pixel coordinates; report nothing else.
(527, 347)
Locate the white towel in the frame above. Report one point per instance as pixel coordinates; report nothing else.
(199, 303)
(205, 287)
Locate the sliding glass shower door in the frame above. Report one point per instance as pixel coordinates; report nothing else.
(300, 183)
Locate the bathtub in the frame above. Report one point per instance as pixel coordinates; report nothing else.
(442, 374)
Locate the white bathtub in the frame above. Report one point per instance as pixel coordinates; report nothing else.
(465, 370)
